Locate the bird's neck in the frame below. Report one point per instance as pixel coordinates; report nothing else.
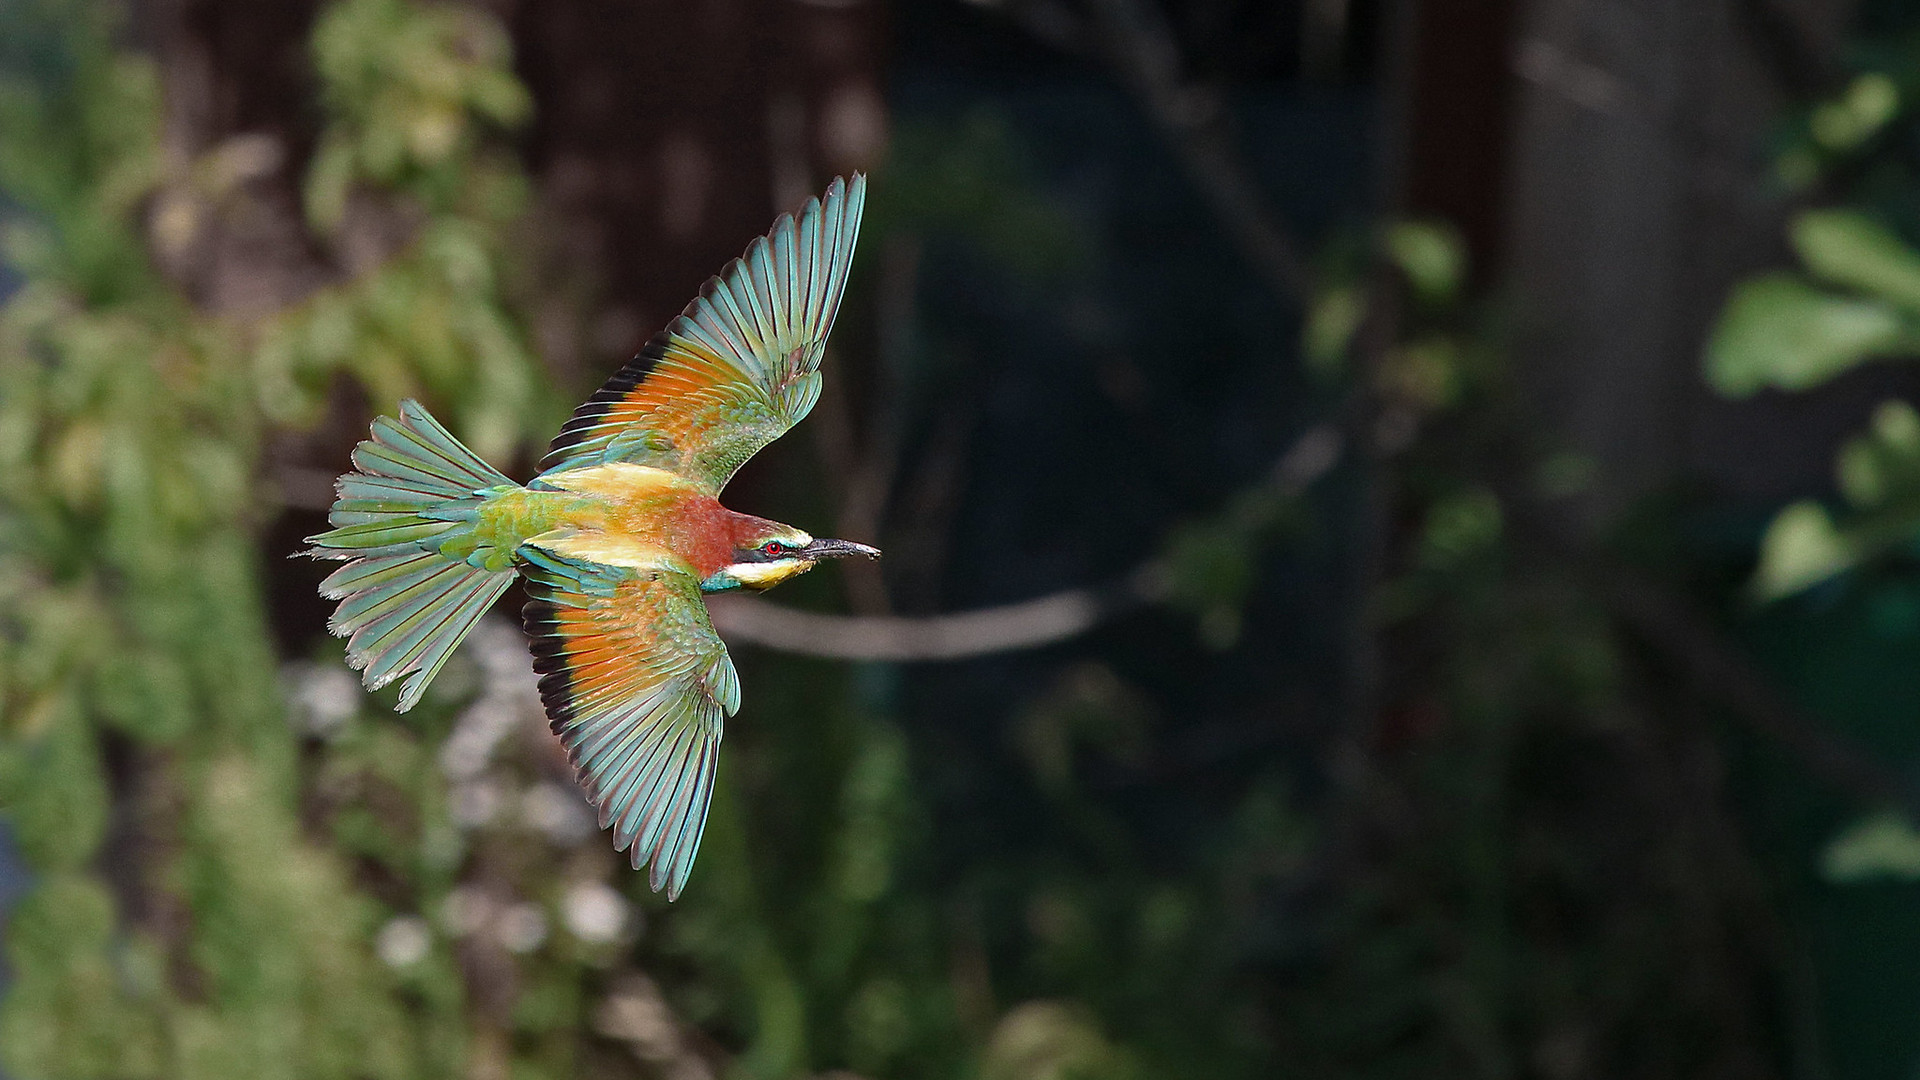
(714, 534)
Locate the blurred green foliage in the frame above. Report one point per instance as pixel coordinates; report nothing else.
(1836, 574)
(1883, 845)
(184, 920)
(1790, 332)
(1856, 299)
(419, 96)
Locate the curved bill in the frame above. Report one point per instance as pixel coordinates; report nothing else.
(836, 549)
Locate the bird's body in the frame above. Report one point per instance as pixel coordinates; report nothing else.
(617, 538)
(617, 514)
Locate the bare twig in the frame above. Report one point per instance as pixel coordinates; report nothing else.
(863, 470)
(1793, 50)
(1052, 618)
(1374, 417)
(851, 469)
(1688, 640)
(1050, 21)
(928, 506)
(863, 503)
(1134, 39)
(1043, 621)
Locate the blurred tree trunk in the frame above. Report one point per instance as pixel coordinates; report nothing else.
(1638, 191)
(1459, 100)
(234, 74)
(668, 135)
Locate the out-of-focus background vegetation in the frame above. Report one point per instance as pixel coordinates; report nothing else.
(1462, 453)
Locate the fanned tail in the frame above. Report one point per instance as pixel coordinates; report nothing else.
(404, 605)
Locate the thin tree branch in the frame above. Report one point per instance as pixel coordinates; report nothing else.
(1702, 654)
(918, 545)
(1791, 48)
(1050, 21)
(1010, 627)
(1134, 40)
(1133, 37)
(1042, 621)
(851, 468)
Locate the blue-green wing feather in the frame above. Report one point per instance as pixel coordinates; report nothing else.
(739, 366)
(637, 686)
(405, 606)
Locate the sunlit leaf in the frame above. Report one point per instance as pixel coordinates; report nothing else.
(1801, 548)
(1433, 257)
(1460, 526)
(1878, 847)
(1780, 332)
(1332, 319)
(1870, 101)
(1848, 248)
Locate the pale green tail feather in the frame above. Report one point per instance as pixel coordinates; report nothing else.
(404, 606)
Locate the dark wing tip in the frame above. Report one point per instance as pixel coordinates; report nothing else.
(591, 412)
(541, 618)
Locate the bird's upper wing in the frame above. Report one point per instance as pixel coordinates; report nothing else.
(739, 366)
(638, 686)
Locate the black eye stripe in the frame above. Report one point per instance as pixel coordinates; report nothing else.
(765, 552)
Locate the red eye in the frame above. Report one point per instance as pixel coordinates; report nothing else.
(772, 547)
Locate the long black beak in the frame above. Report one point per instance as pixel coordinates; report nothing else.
(837, 549)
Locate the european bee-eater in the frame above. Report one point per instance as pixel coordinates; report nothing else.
(617, 538)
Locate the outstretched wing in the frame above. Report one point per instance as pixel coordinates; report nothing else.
(638, 686)
(739, 367)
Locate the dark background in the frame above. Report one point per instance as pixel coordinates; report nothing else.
(1347, 356)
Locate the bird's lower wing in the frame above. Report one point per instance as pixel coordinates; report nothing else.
(637, 686)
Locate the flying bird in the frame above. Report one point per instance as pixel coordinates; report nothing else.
(617, 538)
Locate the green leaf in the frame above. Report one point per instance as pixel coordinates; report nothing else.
(1459, 527)
(66, 915)
(146, 694)
(1881, 846)
(1210, 569)
(1848, 248)
(1333, 318)
(1432, 255)
(1882, 467)
(1801, 548)
(1854, 117)
(329, 182)
(1779, 331)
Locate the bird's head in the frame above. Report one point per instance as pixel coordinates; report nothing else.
(770, 553)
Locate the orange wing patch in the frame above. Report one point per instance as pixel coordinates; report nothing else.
(637, 686)
(738, 367)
